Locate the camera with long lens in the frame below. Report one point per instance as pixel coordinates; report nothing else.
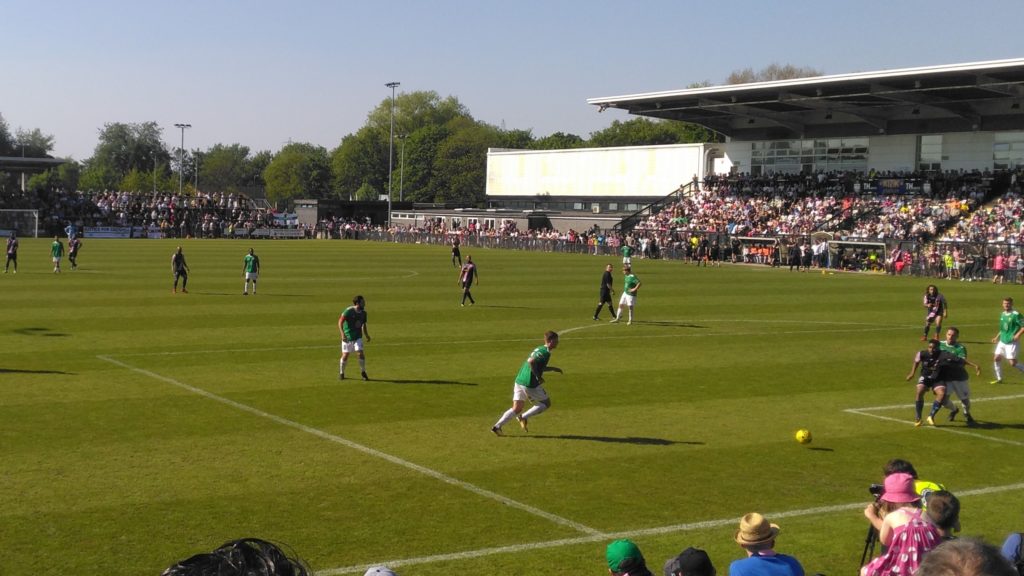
(876, 490)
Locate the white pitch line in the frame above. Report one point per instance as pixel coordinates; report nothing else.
(706, 524)
(867, 412)
(361, 448)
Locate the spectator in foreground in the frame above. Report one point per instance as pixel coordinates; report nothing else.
(245, 557)
(901, 529)
(757, 537)
(1013, 548)
(690, 562)
(624, 559)
(944, 512)
(965, 557)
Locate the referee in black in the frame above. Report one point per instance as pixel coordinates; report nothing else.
(606, 293)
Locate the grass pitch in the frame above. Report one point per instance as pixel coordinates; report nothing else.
(140, 427)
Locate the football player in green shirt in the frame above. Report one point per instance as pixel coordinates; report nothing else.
(630, 287)
(529, 385)
(352, 325)
(1011, 326)
(250, 271)
(56, 253)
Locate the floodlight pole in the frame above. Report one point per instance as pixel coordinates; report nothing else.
(401, 169)
(181, 158)
(391, 144)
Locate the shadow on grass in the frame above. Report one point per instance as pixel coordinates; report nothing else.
(638, 440)
(19, 371)
(981, 425)
(667, 323)
(501, 306)
(39, 332)
(820, 449)
(441, 382)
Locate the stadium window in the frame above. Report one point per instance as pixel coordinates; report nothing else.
(613, 206)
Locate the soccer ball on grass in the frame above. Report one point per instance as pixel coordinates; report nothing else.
(803, 436)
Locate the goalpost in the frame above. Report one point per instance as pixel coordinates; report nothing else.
(24, 222)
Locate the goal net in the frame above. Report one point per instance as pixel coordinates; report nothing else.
(24, 222)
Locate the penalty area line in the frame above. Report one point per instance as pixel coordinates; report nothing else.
(868, 411)
(601, 538)
(361, 448)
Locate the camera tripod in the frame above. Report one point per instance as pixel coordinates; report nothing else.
(869, 545)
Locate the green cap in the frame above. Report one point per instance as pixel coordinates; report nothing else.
(623, 555)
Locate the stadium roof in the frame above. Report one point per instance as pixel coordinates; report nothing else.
(22, 164)
(935, 99)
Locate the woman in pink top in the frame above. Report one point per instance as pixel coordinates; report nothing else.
(998, 268)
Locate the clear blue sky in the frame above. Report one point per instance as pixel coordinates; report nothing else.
(260, 73)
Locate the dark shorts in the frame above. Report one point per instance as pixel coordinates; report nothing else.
(606, 296)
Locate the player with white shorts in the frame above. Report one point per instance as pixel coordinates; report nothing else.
(1011, 326)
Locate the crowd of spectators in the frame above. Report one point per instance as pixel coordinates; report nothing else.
(207, 215)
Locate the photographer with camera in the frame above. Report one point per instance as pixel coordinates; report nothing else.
(924, 488)
(901, 529)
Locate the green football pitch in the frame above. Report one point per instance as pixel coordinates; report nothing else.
(140, 427)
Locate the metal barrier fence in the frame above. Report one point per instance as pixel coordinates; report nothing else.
(925, 260)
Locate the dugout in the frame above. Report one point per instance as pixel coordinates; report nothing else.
(857, 255)
(757, 249)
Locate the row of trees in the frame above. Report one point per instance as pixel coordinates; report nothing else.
(440, 153)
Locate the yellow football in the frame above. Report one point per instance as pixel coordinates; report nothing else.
(803, 436)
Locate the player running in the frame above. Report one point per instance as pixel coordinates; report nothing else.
(935, 305)
(529, 385)
(958, 378)
(352, 326)
(74, 245)
(1011, 326)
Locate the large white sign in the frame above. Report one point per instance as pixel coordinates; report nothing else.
(641, 171)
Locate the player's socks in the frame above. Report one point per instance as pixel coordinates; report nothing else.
(341, 366)
(1019, 366)
(537, 409)
(998, 370)
(362, 365)
(935, 408)
(918, 407)
(505, 418)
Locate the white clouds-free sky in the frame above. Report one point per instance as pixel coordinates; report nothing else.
(261, 73)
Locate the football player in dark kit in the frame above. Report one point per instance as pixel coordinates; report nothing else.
(466, 275)
(606, 293)
(456, 253)
(74, 245)
(180, 270)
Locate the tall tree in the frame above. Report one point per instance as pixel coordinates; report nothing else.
(558, 141)
(770, 73)
(225, 168)
(299, 170)
(357, 162)
(32, 143)
(123, 147)
(647, 132)
(461, 164)
(6, 141)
